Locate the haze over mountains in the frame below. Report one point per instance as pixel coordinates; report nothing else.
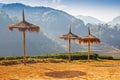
(115, 21)
(88, 19)
(53, 23)
(11, 42)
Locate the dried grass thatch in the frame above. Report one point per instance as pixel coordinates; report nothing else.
(24, 26)
(89, 38)
(70, 35)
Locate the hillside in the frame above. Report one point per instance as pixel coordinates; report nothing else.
(106, 34)
(89, 19)
(11, 42)
(103, 49)
(54, 23)
(115, 21)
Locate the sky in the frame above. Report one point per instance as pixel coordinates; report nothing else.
(104, 10)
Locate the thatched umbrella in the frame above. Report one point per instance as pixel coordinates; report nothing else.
(24, 26)
(89, 39)
(69, 36)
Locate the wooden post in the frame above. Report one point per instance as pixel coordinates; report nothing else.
(24, 47)
(89, 51)
(69, 50)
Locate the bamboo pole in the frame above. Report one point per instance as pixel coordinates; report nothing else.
(69, 50)
(89, 51)
(24, 47)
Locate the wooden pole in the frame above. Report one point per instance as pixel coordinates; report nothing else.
(69, 50)
(24, 47)
(89, 51)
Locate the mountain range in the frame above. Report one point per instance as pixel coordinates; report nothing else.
(11, 42)
(53, 23)
(115, 21)
(89, 19)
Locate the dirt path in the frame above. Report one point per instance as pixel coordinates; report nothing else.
(107, 70)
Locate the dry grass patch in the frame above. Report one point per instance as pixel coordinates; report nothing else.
(95, 70)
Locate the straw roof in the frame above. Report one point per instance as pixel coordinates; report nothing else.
(69, 35)
(90, 38)
(24, 26)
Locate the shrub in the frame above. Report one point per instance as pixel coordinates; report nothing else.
(2, 58)
(74, 56)
(9, 62)
(106, 57)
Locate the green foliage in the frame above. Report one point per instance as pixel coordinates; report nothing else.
(2, 58)
(54, 58)
(64, 56)
(74, 56)
(13, 57)
(106, 57)
(10, 62)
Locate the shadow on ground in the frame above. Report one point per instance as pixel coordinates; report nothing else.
(65, 74)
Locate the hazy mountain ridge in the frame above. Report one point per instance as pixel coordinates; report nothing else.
(103, 49)
(55, 23)
(11, 42)
(92, 20)
(115, 21)
(108, 33)
(89, 19)
(1, 5)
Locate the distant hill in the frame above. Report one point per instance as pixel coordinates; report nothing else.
(53, 23)
(11, 42)
(89, 19)
(103, 49)
(50, 20)
(106, 34)
(115, 21)
(1, 5)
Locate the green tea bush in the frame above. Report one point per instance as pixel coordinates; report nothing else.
(106, 57)
(74, 56)
(9, 62)
(2, 58)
